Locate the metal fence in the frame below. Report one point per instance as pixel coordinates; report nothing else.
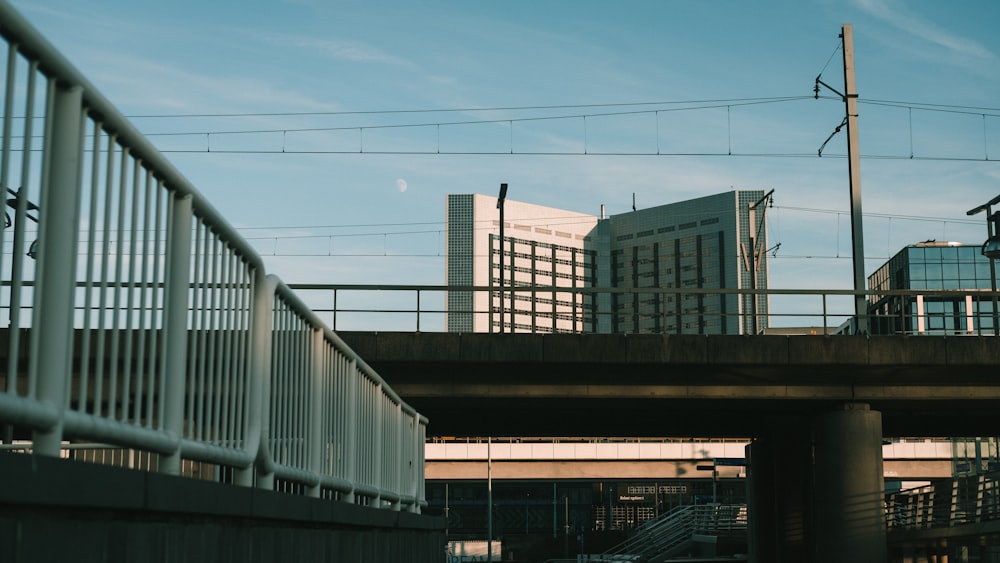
(969, 499)
(138, 318)
(424, 308)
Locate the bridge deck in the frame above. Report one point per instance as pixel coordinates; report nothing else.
(587, 384)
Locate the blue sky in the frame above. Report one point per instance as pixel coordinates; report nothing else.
(322, 212)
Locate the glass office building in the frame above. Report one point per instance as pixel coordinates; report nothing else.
(927, 268)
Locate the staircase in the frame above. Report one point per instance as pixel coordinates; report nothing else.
(674, 533)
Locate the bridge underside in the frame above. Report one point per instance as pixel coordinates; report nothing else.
(678, 417)
(706, 386)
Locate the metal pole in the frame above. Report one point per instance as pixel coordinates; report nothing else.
(753, 268)
(555, 510)
(58, 224)
(992, 223)
(754, 253)
(566, 527)
(993, 287)
(990, 250)
(500, 205)
(175, 325)
(317, 383)
(489, 497)
(854, 168)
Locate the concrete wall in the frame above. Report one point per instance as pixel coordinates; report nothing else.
(55, 510)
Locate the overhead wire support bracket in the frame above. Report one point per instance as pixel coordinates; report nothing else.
(835, 131)
(843, 98)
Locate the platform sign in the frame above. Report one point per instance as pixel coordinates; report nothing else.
(632, 497)
(472, 551)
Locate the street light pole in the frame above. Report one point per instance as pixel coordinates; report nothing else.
(991, 249)
(500, 206)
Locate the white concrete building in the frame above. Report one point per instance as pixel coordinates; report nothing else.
(691, 245)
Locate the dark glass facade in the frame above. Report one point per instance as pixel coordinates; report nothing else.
(944, 279)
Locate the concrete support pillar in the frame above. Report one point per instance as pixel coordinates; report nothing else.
(849, 488)
(816, 490)
(779, 504)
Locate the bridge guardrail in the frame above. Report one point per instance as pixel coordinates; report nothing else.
(959, 312)
(139, 318)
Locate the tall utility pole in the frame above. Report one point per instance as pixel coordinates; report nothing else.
(755, 253)
(854, 168)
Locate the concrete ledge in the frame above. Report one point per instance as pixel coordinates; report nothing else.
(742, 350)
(819, 350)
(55, 510)
(973, 350)
(54, 482)
(907, 350)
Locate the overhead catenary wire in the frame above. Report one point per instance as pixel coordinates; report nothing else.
(465, 109)
(701, 106)
(363, 144)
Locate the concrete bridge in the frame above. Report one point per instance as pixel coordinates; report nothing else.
(656, 385)
(816, 408)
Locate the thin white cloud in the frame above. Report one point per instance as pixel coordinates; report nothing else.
(339, 49)
(895, 14)
(156, 86)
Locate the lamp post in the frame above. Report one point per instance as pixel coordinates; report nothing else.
(500, 202)
(991, 250)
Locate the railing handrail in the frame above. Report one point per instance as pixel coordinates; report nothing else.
(581, 306)
(51, 62)
(672, 528)
(183, 364)
(630, 290)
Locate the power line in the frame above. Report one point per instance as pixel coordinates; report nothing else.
(467, 109)
(944, 108)
(573, 153)
(882, 215)
(544, 107)
(506, 120)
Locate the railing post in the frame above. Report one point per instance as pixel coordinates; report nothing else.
(56, 269)
(175, 324)
(378, 433)
(416, 473)
(315, 455)
(351, 449)
(261, 322)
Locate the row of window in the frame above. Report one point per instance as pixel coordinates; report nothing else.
(668, 229)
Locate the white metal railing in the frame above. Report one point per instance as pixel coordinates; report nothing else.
(669, 310)
(969, 499)
(139, 319)
(670, 533)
